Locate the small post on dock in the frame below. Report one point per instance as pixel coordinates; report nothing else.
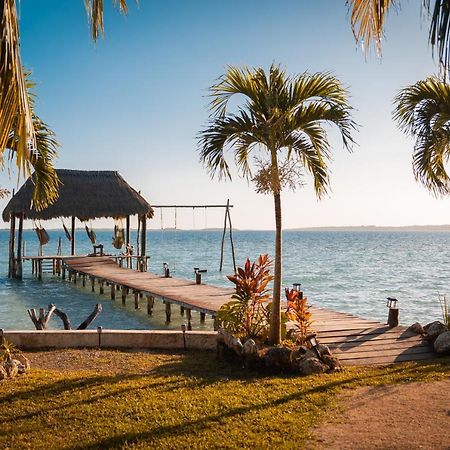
(127, 238)
(143, 237)
(150, 303)
(393, 312)
(168, 312)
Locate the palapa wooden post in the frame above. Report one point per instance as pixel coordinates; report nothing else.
(12, 236)
(150, 303)
(72, 242)
(19, 248)
(124, 295)
(143, 236)
(127, 238)
(113, 291)
(136, 299)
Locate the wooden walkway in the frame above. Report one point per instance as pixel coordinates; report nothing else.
(354, 340)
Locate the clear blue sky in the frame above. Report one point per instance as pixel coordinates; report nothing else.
(135, 101)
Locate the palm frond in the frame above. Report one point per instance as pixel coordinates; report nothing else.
(439, 35)
(277, 112)
(15, 109)
(422, 111)
(95, 11)
(367, 19)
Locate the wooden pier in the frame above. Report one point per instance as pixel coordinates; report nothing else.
(355, 340)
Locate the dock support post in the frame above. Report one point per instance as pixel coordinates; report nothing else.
(168, 311)
(202, 317)
(63, 272)
(150, 303)
(124, 295)
(216, 323)
(136, 299)
(182, 310)
(40, 269)
(93, 284)
(74, 277)
(102, 287)
(84, 280)
(113, 291)
(189, 317)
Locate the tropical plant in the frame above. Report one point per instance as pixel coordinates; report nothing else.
(423, 112)
(247, 315)
(6, 350)
(445, 309)
(282, 120)
(16, 108)
(299, 312)
(367, 18)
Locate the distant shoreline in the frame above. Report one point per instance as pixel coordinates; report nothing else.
(370, 228)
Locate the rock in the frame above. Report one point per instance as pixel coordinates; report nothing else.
(323, 350)
(434, 329)
(20, 367)
(3, 373)
(22, 359)
(332, 362)
(11, 367)
(442, 343)
(309, 366)
(278, 358)
(417, 328)
(249, 348)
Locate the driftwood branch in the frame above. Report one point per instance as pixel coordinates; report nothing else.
(91, 317)
(41, 323)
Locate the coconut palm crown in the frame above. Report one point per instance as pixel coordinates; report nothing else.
(280, 121)
(423, 112)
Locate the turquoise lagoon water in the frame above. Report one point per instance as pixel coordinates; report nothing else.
(346, 271)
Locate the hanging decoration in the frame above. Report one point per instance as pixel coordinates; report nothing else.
(66, 231)
(118, 240)
(41, 233)
(91, 233)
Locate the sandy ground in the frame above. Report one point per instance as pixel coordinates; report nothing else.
(406, 416)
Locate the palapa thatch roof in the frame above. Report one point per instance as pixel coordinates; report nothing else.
(85, 194)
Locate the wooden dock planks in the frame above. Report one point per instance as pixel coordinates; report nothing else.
(354, 340)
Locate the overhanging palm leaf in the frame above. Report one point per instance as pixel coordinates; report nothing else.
(423, 112)
(277, 113)
(16, 114)
(367, 18)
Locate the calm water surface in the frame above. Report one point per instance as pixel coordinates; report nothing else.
(346, 271)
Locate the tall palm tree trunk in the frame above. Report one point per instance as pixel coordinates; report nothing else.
(275, 324)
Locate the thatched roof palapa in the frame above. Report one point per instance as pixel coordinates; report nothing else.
(85, 194)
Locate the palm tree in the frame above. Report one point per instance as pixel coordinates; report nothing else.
(367, 18)
(16, 115)
(423, 112)
(280, 121)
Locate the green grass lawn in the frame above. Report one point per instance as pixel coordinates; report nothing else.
(103, 399)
